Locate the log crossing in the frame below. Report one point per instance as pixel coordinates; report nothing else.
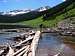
(35, 43)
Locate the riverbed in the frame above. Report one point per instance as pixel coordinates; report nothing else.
(50, 45)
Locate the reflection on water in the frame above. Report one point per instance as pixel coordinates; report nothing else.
(7, 38)
(51, 45)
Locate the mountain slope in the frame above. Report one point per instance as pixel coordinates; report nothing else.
(48, 18)
(51, 17)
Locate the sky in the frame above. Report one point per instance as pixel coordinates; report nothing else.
(7, 5)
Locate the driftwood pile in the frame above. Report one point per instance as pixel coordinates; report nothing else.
(24, 48)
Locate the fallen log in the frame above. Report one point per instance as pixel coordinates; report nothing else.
(35, 42)
(1, 52)
(20, 54)
(27, 52)
(16, 53)
(11, 51)
(29, 38)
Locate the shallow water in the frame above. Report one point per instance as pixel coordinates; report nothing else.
(50, 45)
(7, 38)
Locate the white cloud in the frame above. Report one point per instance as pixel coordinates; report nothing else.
(63, 0)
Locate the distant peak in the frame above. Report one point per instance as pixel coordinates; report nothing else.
(23, 11)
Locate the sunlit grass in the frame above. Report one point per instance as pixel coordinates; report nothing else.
(48, 23)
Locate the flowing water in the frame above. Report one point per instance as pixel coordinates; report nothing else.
(50, 45)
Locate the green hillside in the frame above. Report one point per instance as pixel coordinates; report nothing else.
(51, 17)
(48, 18)
(48, 23)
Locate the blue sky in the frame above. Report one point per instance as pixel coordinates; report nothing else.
(6, 5)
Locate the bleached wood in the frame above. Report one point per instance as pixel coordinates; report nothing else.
(20, 50)
(35, 42)
(29, 38)
(1, 52)
(11, 51)
(23, 51)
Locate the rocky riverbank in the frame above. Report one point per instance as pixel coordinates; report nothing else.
(67, 27)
